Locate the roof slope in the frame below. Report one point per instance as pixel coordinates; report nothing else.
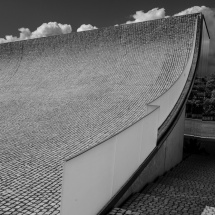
(61, 95)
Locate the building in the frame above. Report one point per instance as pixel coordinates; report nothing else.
(80, 113)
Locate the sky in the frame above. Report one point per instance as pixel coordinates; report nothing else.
(25, 19)
(15, 14)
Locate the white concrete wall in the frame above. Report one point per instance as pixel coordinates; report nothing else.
(91, 179)
(169, 155)
(174, 144)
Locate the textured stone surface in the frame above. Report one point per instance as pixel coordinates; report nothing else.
(208, 211)
(61, 95)
(188, 192)
(119, 211)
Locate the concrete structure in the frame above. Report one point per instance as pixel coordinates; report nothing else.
(199, 128)
(80, 113)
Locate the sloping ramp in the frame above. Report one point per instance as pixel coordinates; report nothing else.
(62, 95)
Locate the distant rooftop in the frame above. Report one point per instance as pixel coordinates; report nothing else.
(62, 95)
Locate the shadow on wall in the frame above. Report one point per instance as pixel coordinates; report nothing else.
(201, 146)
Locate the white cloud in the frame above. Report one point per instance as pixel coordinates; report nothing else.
(195, 9)
(155, 13)
(8, 38)
(54, 28)
(86, 27)
(51, 28)
(46, 29)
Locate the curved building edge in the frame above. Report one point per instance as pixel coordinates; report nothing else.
(110, 158)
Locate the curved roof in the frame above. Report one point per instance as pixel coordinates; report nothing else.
(62, 95)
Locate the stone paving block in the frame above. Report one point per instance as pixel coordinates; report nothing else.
(168, 190)
(120, 211)
(146, 203)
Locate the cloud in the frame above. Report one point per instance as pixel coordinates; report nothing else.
(155, 13)
(54, 28)
(86, 27)
(51, 28)
(46, 29)
(195, 9)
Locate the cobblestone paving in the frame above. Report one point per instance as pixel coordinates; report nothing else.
(120, 211)
(61, 95)
(188, 189)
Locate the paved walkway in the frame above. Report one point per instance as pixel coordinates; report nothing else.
(187, 189)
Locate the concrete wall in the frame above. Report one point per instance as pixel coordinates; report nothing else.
(174, 144)
(169, 155)
(199, 128)
(93, 178)
(202, 69)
